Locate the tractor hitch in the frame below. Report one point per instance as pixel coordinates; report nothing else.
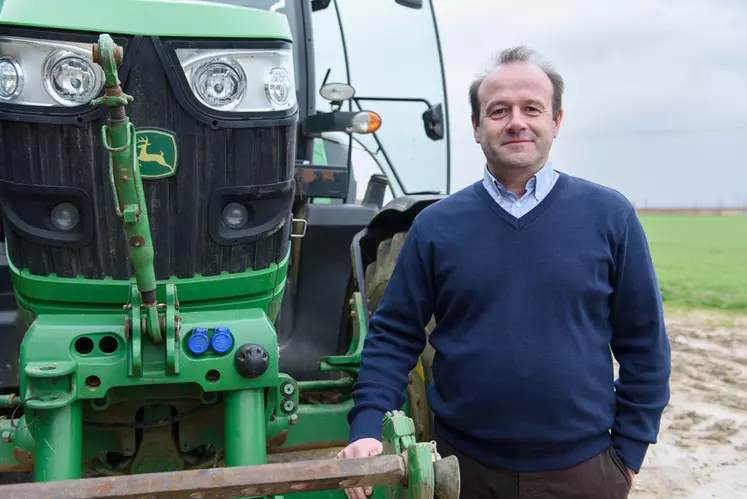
(250, 481)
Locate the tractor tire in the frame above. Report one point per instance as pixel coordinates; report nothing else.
(377, 277)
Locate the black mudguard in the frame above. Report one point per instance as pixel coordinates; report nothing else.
(396, 216)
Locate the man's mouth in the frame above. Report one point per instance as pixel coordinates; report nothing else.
(518, 141)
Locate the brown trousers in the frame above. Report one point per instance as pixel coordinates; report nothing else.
(602, 477)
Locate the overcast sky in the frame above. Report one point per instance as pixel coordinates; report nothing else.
(656, 90)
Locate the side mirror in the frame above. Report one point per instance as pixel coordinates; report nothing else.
(433, 121)
(412, 4)
(319, 5)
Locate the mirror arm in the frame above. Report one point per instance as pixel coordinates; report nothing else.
(337, 121)
(432, 116)
(394, 99)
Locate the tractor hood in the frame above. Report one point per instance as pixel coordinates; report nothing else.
(193, 19)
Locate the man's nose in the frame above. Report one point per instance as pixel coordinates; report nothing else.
(516, 123)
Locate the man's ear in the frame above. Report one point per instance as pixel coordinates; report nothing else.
(475, 129)
(556, 128)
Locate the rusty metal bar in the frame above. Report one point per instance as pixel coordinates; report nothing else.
(26, 460)
(224, 483)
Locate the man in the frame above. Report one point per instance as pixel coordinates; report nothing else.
(534, 278)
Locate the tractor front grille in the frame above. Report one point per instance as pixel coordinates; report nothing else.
(210, 158)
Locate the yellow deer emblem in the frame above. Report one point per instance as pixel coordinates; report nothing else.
(145, 156)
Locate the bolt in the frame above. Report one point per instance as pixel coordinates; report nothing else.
(7, 437)
(289, 405)
(288, 388)
(292, 420)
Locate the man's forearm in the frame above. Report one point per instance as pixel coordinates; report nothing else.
(388, 356)
(641, 346)
(395, 339)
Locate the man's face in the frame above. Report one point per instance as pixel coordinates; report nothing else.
(516, 127)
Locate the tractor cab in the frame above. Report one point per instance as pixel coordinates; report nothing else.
(372, 127)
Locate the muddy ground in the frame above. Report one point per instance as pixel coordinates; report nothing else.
(702, 450)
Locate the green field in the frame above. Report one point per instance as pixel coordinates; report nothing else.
(701, 261)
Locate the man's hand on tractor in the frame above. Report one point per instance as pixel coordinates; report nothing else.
(365, 447)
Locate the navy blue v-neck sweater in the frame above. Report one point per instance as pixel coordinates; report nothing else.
(527, 311)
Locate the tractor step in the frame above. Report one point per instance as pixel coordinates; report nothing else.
(243, 481)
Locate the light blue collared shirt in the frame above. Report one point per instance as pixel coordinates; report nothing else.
(538, 187)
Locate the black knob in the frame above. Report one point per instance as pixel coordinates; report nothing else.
(251, 360)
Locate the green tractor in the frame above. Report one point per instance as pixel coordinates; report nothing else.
(190, 264)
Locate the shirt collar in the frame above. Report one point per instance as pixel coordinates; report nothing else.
(538, 185)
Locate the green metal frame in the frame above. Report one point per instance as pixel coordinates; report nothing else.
(149, 18)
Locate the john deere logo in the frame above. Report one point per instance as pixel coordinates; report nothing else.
(156, 153)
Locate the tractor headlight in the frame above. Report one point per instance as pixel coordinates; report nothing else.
(219, 83)
(278, 86)
(11, 78)
(71, 79)
(240, 80)
(38, 72)
(65, 216)
(234, 215)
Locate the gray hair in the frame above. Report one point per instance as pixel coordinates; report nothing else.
(519, 54)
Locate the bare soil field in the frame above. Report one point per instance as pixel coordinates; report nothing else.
(702, 449)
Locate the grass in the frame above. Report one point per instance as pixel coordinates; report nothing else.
(701, 261)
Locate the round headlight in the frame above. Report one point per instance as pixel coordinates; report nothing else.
(11, 78)
(278, 87)
(65, 216)
(235, 215)
(220, 83)
(71, 79)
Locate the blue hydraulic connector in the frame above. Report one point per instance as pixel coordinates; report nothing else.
(222, 341)
(198, 341)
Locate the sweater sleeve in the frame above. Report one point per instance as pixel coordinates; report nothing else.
(640, 345)
(395, 339)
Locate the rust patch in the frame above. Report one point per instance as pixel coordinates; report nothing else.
(225, 483)
(277, 440)
(314, 446)
(15, 468)
(137, 241)
(115, 91)
(305, 455)
(23, 457)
